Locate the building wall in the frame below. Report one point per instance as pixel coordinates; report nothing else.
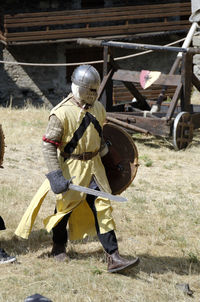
(35, 84)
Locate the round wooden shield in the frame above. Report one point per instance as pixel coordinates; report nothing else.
(123, 145)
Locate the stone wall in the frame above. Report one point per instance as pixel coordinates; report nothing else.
(196, 41)
(196, 58)
(20, 84)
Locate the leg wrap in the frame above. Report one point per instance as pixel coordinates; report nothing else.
(108, 240)
(60, 235)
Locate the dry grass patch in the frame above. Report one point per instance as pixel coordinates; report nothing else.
(160, 224)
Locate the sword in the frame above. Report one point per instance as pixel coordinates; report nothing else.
(97, 193)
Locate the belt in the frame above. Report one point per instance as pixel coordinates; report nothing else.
(83, 156)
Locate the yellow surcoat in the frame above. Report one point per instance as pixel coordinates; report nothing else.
(81, 222)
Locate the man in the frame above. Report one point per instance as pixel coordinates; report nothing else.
(75, 129)
(4, 257)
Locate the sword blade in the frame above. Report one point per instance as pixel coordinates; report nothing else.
(97, 193)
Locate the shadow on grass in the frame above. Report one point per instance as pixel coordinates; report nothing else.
(37, 239)
(157, 142)
(161, 265)
(148, 263)
(154, 142)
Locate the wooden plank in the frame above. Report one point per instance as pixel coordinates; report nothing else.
(178, 6)
(93, 32)
(195, 81)
(126, 125)
(186, 75)
(121, 94)
(125, 96)
(174, 101)
(134, 76)
(142, 104)
(62, 20)
(108, 70)
(122, 117)
(123, 14)
(105, 12)
(155, 126)
(94, 16)
(104, 84)
(153, 89)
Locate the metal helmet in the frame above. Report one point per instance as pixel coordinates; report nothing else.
(85, 84)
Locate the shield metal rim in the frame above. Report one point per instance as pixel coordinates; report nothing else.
(135, 162)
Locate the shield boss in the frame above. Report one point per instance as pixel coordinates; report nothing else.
(123, 144)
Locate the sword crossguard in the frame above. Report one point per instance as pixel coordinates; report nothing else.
(70, 180)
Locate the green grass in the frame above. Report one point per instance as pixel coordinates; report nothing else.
(160, 223)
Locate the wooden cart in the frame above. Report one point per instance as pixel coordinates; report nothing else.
(177, 118)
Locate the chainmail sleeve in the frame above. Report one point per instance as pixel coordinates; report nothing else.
(53, 137)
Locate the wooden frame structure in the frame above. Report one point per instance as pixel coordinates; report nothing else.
(177, 118)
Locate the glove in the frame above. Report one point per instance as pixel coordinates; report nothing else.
(58, 183)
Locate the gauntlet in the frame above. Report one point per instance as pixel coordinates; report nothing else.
(58, 183)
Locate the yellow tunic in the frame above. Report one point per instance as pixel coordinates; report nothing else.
(81, 222)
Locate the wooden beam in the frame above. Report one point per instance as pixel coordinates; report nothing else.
(142, 104)
(196, 120)
(154, 126)
(134, 76)
(174, 101)
(186, 74)
(195, 81)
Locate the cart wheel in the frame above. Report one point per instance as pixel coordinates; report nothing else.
(182, 130)
(2, 146)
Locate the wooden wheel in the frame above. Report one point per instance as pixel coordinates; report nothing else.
(182, 130)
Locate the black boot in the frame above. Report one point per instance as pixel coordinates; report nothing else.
(59, 252)
(118, 264)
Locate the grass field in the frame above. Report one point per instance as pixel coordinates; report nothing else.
(160, 224)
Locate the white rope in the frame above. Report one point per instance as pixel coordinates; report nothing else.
(81, 63)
